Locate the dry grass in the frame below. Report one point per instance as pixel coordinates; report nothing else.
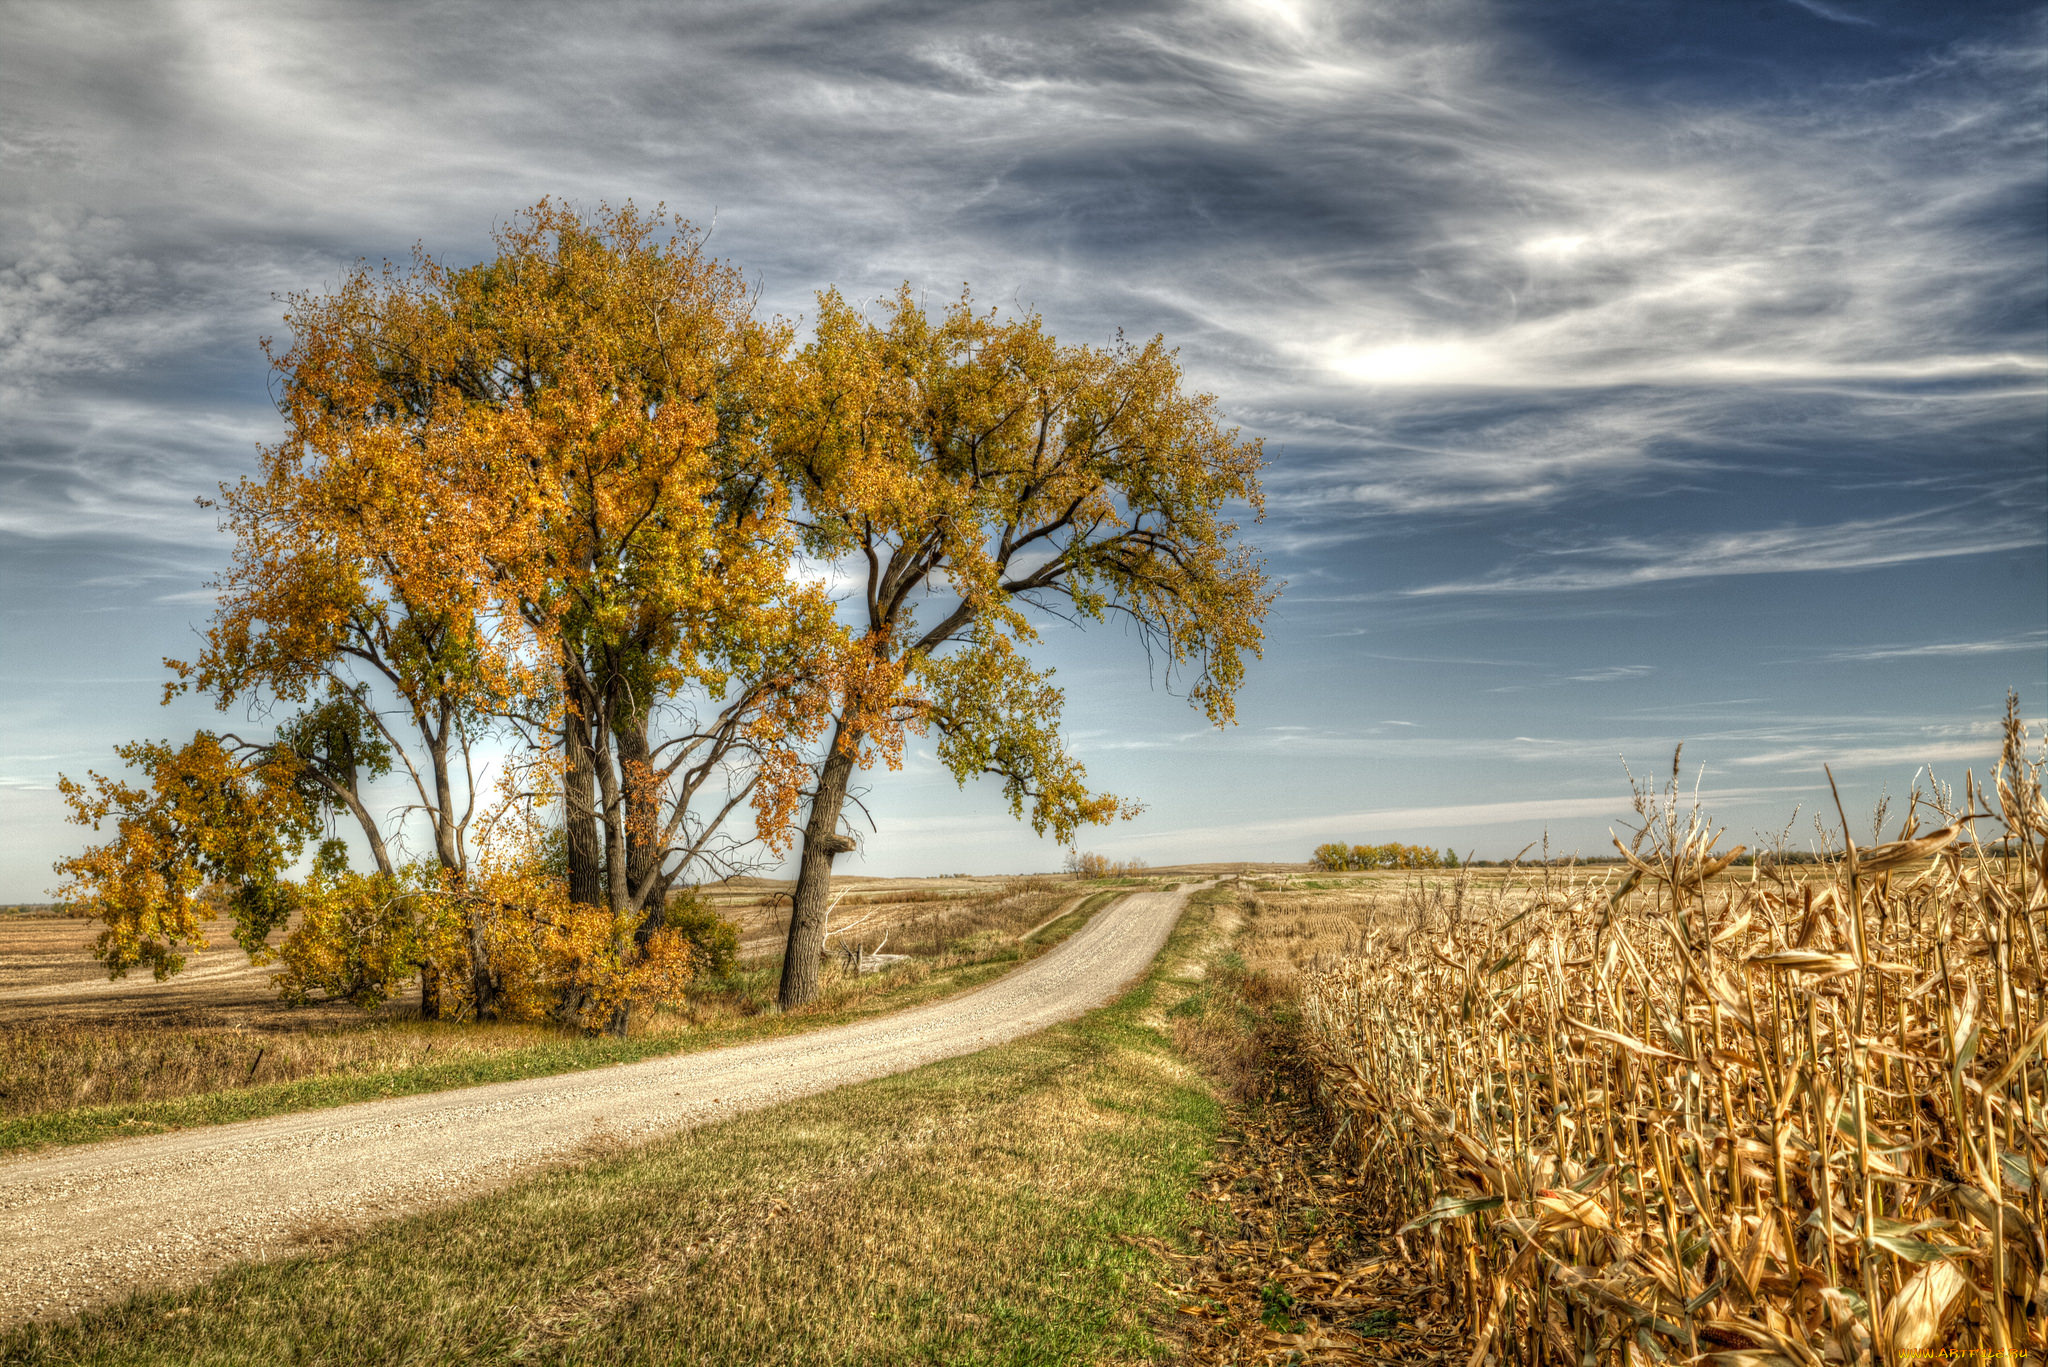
(909, 906)
(1747, 1122)
(994, 1208)
(77, 1077)
(1291, 931)
(55, 1065)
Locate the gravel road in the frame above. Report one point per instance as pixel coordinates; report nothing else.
(79, 1225)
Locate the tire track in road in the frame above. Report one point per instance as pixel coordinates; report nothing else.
(80, 1225)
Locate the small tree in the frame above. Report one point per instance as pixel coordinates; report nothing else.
(1088, 864)
(204, 816)
(360, 936)
(981, 467)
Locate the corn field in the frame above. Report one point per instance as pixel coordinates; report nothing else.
(1685, 1111)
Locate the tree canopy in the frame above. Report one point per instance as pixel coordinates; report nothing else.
(1338, 857)
(976, 473)
(538, 542)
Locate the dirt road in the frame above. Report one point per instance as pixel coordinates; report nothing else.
(79, 1225)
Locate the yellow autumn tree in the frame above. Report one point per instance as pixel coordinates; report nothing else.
(353, 589)
(359, 936)
(558, 958)
(970, 472)
(635, 526)
(203, 815)
(527, 499)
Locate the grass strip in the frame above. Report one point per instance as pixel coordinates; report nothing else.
(560, 1052)
(978, 1210)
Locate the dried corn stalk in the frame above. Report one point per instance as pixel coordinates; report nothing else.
(1774, 1119)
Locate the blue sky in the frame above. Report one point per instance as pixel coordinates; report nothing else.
(1630, 373)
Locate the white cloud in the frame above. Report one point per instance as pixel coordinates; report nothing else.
(1812, 757)
(1832, 13)
(1627, 561)
(2027, 641)
(1353, 825)
(1388, 196)
(125, 469)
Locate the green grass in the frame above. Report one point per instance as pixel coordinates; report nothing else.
(556, 1052)
(973, 1211)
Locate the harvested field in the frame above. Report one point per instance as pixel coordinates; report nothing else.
(91, 1222)
(47, 972)
(84, 1058)
(896, 915)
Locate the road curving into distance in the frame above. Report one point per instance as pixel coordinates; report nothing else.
(80, 1225)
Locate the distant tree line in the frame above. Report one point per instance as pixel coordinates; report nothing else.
(1742, 861)
(1088, 864)
(1340, 858)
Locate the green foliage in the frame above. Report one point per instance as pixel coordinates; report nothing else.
(998, 715)
(714, 941)
(339, 744)
(1377, 1324)
(1276, 1308)
(361, 936)
(1338, 857)
(204, 815)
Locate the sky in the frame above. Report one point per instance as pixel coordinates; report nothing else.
(1629, 373)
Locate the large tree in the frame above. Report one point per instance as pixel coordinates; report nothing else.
(970, 472)
(533, 494)
(352, 590)
(634, 525)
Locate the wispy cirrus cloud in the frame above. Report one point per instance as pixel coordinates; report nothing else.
(1526, 816)
(1359, 221)
(1812, 757)
(1786, 242)
(1631, 561)
(1833, 13)
(2019, 643)
(1531, 300)
(124, 470)
(1359, 471)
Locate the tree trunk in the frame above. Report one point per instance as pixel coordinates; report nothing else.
(579, 809)
(612, 806)
(484, 987)
(483, 978)
(812, 901)
(653, 918)
(430, 993)
(643, 810)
